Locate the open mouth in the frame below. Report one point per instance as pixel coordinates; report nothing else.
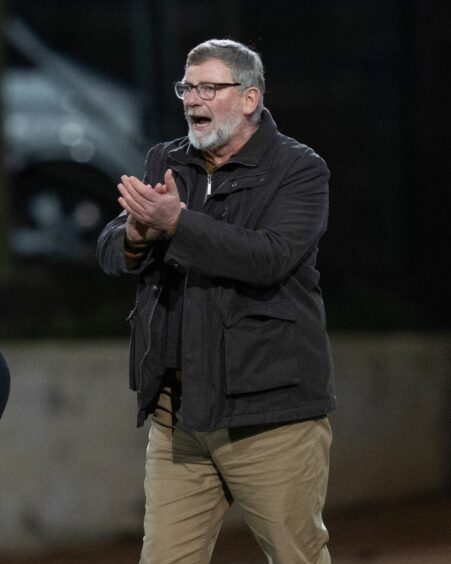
(199, 121)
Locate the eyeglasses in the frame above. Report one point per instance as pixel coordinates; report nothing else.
(205, 90)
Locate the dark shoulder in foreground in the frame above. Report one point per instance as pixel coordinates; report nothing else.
(293, 151)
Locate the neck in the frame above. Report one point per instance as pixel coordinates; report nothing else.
(225, 152)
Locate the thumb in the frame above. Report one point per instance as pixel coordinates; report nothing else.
(170, 182)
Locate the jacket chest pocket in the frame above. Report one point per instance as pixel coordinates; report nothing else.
(239, 201)
(260, 347)
(219, 209)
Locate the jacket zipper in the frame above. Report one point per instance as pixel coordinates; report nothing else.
(208, 184)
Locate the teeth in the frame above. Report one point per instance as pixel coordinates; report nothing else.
(201, 119)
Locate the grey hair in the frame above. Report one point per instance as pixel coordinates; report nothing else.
(245, 64)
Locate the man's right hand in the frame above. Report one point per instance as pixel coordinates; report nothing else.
(140, 234)
(137, 232)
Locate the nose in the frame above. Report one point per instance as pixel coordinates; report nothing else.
(192, 98)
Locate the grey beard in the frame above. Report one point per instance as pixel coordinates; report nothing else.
(212, 141)
(220, 136)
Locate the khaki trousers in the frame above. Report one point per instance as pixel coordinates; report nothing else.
(276, 473)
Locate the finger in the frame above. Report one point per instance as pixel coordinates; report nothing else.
(127, 182)
(129, 192)
(127, 187)
(160, 188)
(131, 211)
(138, 187)
(123, 203)
(133, 200)
(170, 182)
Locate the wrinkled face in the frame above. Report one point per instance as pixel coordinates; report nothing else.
(212, 123)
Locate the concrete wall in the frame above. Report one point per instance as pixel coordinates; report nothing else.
(72, 461)
(392, 426)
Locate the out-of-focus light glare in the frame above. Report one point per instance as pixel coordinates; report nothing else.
(83, 151)
(71, 133)
(87, 214)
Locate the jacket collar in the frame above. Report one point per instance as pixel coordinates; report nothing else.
(250, 153)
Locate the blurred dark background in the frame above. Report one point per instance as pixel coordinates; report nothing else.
(87, 88)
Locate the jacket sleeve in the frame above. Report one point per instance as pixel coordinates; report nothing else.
(288, 230)
(110, 249)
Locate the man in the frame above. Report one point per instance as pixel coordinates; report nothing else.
(229, 350)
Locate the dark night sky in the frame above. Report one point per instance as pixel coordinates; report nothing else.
(360, 81)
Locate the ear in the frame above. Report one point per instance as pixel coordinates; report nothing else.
(251, 97)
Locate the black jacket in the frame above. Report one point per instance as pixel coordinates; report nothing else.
(254, 346)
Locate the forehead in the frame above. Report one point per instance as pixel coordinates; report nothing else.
(213, 70)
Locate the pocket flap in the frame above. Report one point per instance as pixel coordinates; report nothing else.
(282, 309)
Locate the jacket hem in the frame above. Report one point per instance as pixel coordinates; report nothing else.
(311, 411)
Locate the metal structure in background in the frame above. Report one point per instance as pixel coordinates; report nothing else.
(162, 33)
(157, 59)
(69, 135)
(70, 131)
(361, 83)
(4, 248)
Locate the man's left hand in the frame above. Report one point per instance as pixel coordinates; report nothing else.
(159, 209)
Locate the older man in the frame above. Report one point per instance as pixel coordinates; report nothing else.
(229, 349)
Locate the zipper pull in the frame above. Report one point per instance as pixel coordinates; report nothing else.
(208, 185)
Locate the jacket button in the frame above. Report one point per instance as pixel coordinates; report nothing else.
(155, 288)
(234, 184)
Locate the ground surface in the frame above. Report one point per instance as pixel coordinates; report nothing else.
(404, 533)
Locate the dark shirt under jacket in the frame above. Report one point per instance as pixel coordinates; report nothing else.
(173, 293)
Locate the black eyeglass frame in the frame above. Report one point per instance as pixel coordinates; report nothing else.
(216, 86)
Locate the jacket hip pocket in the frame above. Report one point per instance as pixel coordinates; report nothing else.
(260, 347)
